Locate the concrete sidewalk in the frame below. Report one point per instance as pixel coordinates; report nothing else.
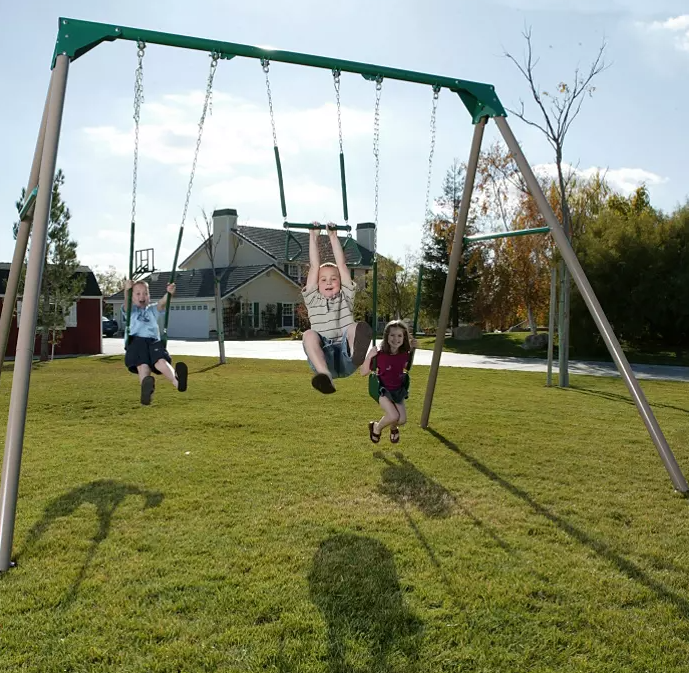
(292, 350)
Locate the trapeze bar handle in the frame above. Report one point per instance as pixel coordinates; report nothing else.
(345, 210)
(28, 203)
(351, 242)
(292, 237)
(318, 226)
(282, 186)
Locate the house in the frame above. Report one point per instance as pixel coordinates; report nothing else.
(84, 324)
(260, 280)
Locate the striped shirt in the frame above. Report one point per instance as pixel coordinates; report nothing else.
(330, 316)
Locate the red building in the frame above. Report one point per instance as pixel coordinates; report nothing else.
(84, 333)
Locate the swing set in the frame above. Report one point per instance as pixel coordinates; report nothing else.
(76, 38)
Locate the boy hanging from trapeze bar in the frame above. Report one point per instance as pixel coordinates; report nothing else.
(335, 345)
(144, 351)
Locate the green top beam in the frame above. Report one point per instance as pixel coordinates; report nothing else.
(507, 234)
(75, 38)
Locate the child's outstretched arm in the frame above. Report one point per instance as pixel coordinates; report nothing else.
(314, 260)
(339, 255)
(163, 300)
(366, 365)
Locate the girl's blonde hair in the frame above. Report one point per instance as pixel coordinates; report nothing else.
(406, 345)
(141, 282)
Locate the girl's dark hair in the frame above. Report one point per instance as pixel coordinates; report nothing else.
(385, 346)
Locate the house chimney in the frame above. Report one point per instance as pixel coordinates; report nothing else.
(365, 234)
(224, 222)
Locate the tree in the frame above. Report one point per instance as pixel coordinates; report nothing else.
(558, 112)
(210, 246)
(110, 282)
(61, 284)
(436, 250)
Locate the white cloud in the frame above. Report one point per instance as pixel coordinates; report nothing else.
(246, 190)
(677, 27)
(625, 180)
(236, 135)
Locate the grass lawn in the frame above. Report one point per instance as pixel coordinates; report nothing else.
(250, 525)
(509, 344)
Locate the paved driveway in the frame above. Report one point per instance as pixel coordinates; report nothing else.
(292, 350)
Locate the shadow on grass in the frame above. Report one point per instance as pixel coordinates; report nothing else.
(107, 496)
(405, 484)
(623, 565)
(207, 369)
(354, 584)
(616, 397)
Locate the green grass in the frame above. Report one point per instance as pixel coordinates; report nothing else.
(250, 525)
(510, 344)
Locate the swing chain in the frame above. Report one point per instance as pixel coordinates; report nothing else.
(138, 101)
(207, 107)
(436, 94)
(336, 81)
(265, 63)
(376, 154)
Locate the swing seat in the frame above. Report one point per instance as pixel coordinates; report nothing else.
(374, 383)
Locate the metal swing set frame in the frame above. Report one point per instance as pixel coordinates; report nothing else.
(75, 39)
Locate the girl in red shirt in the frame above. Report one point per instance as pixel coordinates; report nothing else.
(392, 362)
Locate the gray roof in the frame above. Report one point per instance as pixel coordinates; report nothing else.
(198, 283)
(91, 289)
(273, 242)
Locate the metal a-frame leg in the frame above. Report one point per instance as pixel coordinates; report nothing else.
(23, 233)
(455, 257)
(666, 455)
(14, 440)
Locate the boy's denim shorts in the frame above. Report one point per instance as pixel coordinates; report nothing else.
(337, 356)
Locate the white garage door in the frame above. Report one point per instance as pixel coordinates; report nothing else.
(188, 321)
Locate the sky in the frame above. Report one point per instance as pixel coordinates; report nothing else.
(630, 127)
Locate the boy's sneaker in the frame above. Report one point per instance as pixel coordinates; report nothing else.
(148, 386)
(182, 372)
(362, 339)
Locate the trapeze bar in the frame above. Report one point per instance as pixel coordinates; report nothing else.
(507, 234)
(75, 38)
(320, 227)
(28, 203)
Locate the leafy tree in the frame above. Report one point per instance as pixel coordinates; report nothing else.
(61, 284)
(110, 282)
(436, 251)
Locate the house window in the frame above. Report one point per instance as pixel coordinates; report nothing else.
(296, 272)
(288, 315)
(71, 316)
(253, 310)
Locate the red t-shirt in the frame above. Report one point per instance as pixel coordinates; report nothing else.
(391, 369)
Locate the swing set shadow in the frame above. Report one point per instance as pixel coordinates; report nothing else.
(600, 548)
(106, 495)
